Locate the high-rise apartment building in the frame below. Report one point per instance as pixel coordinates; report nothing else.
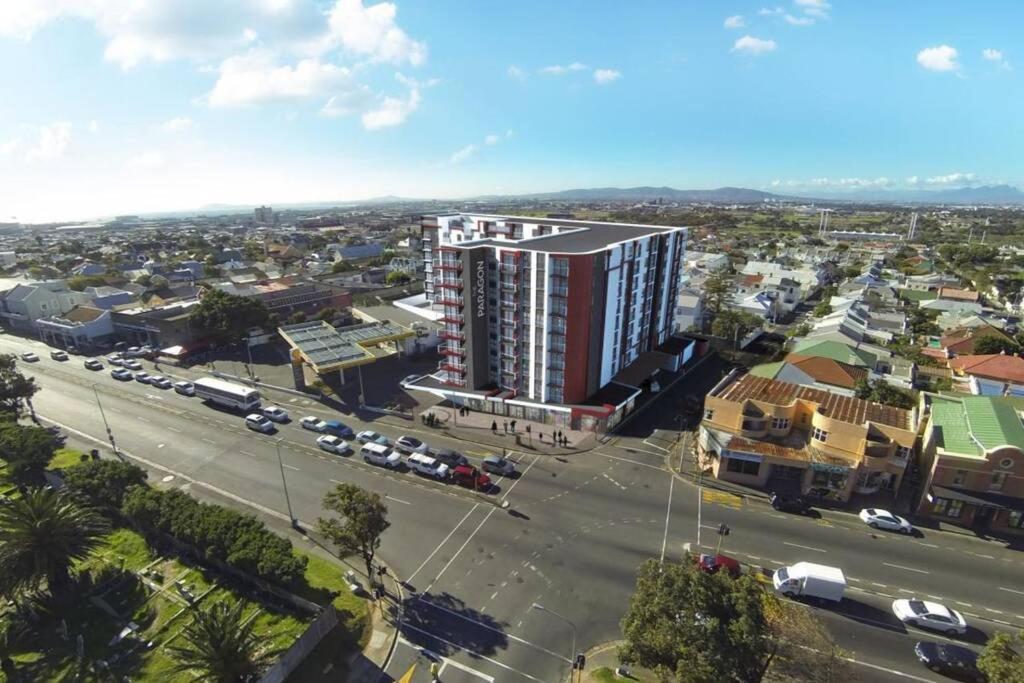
(264, 215)
(540, 313)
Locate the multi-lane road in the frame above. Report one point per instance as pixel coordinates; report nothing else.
(574, 532)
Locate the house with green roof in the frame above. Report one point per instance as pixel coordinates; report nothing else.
(972, 459)
(837, 351)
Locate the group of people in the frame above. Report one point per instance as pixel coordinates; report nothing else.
(558, 438)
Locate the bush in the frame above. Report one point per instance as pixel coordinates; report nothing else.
(104, 483)
(217, 532)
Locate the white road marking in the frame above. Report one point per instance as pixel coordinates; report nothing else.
(660, 448)
(1011, 590)
(668, 513)
(441, 544)
(173, 429)
(141, 419)
(251, 455)
(398, 500)
(459, 647)
(929, 545)
(209, 441)
(521, 477)
(909, 569)
(292, 467)
(805, 547)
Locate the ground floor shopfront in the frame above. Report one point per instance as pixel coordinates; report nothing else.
(982, 510)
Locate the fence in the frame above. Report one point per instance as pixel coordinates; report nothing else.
(300, 649)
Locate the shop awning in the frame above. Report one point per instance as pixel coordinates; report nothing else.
(979, 498)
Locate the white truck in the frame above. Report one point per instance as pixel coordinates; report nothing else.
(810, 580)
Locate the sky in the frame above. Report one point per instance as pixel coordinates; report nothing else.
(128, 106)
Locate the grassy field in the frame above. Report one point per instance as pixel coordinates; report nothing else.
(916, 295)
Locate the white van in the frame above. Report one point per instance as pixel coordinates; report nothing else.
(379, 454)
(424, 464)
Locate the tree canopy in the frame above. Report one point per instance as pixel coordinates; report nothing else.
(221, 645)
(15, 388)
(1001, 660)
(103, 483)
(730, 324)
(362, 518)
(995, 344)
(27, 449)
(717, 288)
(226, 317)
(882, 392)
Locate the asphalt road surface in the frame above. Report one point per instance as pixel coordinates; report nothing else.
(571, 539)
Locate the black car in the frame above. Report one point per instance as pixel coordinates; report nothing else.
(788, 502)
(451, 458)
(955, 661)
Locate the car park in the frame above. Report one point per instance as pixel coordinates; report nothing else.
(367, 436)
(93, 364)
(132, 364)
(160, 382)
(789, 502)
(379, 454)
(450, 457)
(313, 424)
(956, 661)
(276, 414)
(143, 377)
(876, 518)
(930, 615)
(185, 388)
(29, 357)
(495, 464)
(57, 354)
(471, 478)
(424, 464)
(410, 444)
(121, 374)
(258, 423)
(338, 429)
(333, 444)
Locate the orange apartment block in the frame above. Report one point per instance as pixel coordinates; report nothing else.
(776, 435)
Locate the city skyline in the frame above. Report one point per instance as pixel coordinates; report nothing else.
(172, 106)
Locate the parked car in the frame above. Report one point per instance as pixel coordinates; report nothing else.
(930, 615)
(73, 350)
(29, 357)
(333, 444)
(143, 377)
(313, 424)
(410, 444)
(471, 478)
(338, 429)
(450, 457)
(495, 464)
(258, 423)
(379, 454)
(132, 364)
(121, 374)
(115, 359)
(185, 388)
(57, 354)
(92, 364)
(160, 382)
(133, 352)
(276, 414)
(955, 661)
(876, 518)
(789, 502)
(367, 436)
(712, 564)
(424, 464)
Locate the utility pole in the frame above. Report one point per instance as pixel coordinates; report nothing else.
(575, 661)
(284, 484)
(103, 414)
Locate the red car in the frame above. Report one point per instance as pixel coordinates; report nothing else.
(471, 477)
(713, 563)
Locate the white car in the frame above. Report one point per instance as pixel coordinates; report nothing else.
(258, 423)
(380, 455)
(930, 615)
(313, 424)
(424, 464)
(121, 374)
(185, 388)
(160, 382)
(410, 444)
(142, 377)
(276, 414)
(332, 444)
(372, 437)
(115, 359)
(29, 357)
(876, 518)
(132, 365)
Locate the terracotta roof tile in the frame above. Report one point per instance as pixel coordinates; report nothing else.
(828, 370)
(991, 366)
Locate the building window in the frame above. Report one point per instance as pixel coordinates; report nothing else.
(1015, 520)
(709, 414)
(998, 480)
(780, 423)
(903, 452)
(1006, 463)
(819, 435)
(959, 477)
(947, 507)
(742, 466)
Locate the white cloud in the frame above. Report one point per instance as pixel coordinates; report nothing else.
(753, 46)
(347, 102)
(798, 21)
(255, 77)
(94, 126)
(951, 179)
(939, 58)
(371, 32)
(770, 11)
(469, 151)
(815, 8)
(912, 180)
(491, 140)
(391, 111)
(735, 21)
(10, 147)
(606, 76)
(516, 73)
(177, 124)
(560, 70)
(146, 161)
(53, 142)
(995, 56)
(463, 154)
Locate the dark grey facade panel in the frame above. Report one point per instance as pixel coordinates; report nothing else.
(475, 312)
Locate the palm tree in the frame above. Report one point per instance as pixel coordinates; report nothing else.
(41, 535)
(221, 646)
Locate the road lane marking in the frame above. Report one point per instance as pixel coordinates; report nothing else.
(928, 545)
(909, 569)
(459, 647)
(173, 429)
(439, 545)
(1011, 590)
(805, 547)
(660, 448)
(251, 455)
(398, 500)
(292, 467)
(209, 441)
(668, 513)
(459, 551)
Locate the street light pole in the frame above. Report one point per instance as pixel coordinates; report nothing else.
(103, 414)
(284, 484)
(572, 655)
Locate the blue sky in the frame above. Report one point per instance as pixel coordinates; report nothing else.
(116, 106)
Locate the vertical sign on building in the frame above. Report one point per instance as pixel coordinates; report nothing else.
(476, 313)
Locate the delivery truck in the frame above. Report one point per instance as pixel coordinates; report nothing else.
(806, 579)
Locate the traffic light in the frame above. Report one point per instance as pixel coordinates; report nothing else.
(723, 529)
(581, 661)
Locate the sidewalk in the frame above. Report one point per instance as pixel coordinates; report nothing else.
(369, 664)
(476, 427)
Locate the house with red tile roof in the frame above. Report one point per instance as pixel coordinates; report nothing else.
(993, 374)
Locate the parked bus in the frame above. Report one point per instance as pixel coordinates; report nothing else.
(228, 394)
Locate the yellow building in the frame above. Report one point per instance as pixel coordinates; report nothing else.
(776, 435)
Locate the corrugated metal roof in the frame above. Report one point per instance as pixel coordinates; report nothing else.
(994, 423)
(324, 345)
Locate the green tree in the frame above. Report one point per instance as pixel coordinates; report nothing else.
(226, 317)
(340, 267)
(15, 388)
(730, 324)
(144, 279)
(1000, 661)
(995, 344)
(362, 518)
(297, 317)
(27, 450)
(693, 626)
(396, 277)
(221, 645)
(822, 309)
(327, 314)
(103, 483)
(802, 649)
(78, 283)
(717, 288)
(882, 392)
(42, 534)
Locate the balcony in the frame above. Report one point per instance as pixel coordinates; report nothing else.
(447, 264)
(874, 449)
(450, 319)
(449, 335)
(448, 299)
(452, 367)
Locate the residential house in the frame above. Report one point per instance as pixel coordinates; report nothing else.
(951, 306)
(881, 363)
(778, 435)
(972, 462)
(689, 311)
(931, 282)
(83, 327)
(991, 374)
(814, 371)
(960, 342)
(809, 278)
(285, 296)
(89, 268)
(954, 294)
(22, 305)
(107, 297)
(159, 326)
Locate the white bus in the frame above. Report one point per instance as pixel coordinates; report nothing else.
(227, 394)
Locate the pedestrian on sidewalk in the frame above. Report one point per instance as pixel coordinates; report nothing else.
(433, 673)
(494, 426)
(513, 426)
(504, 426)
